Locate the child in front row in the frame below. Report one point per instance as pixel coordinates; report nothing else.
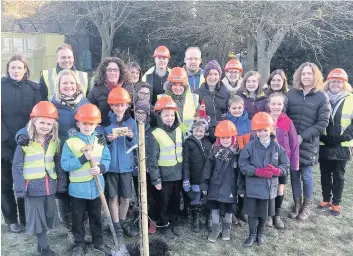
(220, 179)
(83, 157)
(36, 176)
(261, 161)
(239, 116)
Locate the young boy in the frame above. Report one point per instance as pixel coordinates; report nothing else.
(165, 164)
(220, 179)
(239, 117)
(83, 157)
(195, 152)
(119, 174)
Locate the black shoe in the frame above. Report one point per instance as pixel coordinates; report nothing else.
(47, 252)
(104, 249)
(15, 228)
(250, 240)
(118, 231)
(260, 239)
(77, 251)
(128, 230)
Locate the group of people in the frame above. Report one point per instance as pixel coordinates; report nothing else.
(224, 145)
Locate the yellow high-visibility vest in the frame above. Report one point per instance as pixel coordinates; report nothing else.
(346, 119)
(84, 173)
(170, 153)
(38, 163)
(50, 80)
(189, 110)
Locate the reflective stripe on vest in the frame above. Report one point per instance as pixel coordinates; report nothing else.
(170, 153)
(346, 119)
(50, 75)
(38, 163)
(84, 173)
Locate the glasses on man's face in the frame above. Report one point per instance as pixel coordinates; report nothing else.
(143, 94)
(140, 113)
(193, 59)
(115, 70)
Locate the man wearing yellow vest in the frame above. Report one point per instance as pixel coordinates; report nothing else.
(192, 66)
(165, 165)
(83, 157)
(64, 60)
(188, 103)
(336, 141)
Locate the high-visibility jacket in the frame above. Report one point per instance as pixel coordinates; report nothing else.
(83, 174)
(38, 163)
(49, 77)
(189, 110)
(170, 153)
(346, 119)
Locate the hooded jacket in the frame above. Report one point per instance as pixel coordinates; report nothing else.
(195, 80)
(121, 161)
(254, 156)
(195, 153)
(310, 115)
(70, 162)
(17, 102)
(254, 105)
(155, 81)
(159, 174)
(232, 90)
(287, 137)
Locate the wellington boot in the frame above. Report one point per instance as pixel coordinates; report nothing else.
(305, 211)
(216, 231)
(195, 222)
(277, 219)
(250, 240)
(226, 231)
(296, 208)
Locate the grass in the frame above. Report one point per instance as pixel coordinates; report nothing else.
(322, 234)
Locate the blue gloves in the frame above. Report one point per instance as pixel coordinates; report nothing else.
(186, 185)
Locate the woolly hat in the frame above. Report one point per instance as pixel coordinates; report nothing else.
(138, 86)
(212, 64)
(144, 106)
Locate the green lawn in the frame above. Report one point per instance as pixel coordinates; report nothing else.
(320, 235)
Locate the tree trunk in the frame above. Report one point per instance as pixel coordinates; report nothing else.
(263, 67)
(107, 46)
(251, 50)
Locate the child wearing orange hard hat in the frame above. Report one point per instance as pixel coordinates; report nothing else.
(36, 173)
(83, 163)
(220, 179)
(261, 161)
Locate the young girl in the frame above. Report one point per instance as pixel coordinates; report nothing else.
(261, 161)
(286, 137)
(36, 175)
(195, 152)
(220, 179)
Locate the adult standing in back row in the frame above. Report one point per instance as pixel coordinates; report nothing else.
(64, 60)
(157, 75)
(192, 66)
(309, 109)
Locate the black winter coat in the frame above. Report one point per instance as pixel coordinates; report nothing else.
(17, 101)
(195, 153)
(254, 155)
(98, 96)
(310, 115)
(220, 175)
(332, 150)
(216, 104)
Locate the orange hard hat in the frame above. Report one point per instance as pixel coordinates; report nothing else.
(338, 74)
(262, 120)
(165, 102)
(234, 64)
(225, 128)
(44, 109)
(88, 113)
(161, 51)
(178, 75)
(118, 96)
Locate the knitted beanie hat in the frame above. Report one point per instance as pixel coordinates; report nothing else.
(144, 106)
(212, 64)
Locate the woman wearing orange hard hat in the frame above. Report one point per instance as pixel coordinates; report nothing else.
(336, 141)
(232, 79)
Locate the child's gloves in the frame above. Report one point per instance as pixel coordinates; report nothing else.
(263, 172)
(23, 140)
(101, 139)
(204, 192)
(186, 185)
(275, 171)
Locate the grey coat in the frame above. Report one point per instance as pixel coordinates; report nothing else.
(159, 174)
(254, 155)
(310, 115)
